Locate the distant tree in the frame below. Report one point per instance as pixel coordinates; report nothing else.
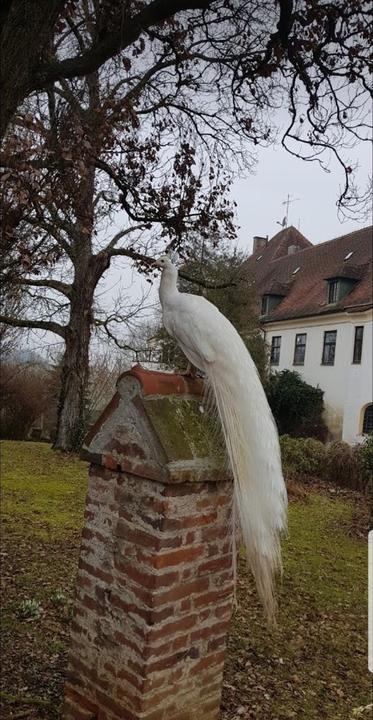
(26, 391)
(297, 406)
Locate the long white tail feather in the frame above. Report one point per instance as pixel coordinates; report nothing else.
(253, 449)
(211, 343)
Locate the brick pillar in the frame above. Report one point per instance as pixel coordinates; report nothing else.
(154, 586)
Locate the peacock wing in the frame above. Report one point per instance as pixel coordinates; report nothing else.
(192, 333)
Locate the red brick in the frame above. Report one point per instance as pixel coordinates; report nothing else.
(147, 580)
(145, 539)
(174, 557)
(207, 662)
(224, 611)
(83, 581)
(88, 672)
(81, 701)
(167, 662)
(182, 523)
(95, 571)
(184, 623)
(166, 678)
(212, 597)
(72, 711)
(181, 591)
(216, 532)
(182, 489)
(158, 714)
(150, 616)
(98, 471)
(216, 643)
(134, 680)
(185, 605)
(121, 712)
(212, 706)
(215, 501)
(158, 700)
(220, 563)
(91, 604)
(126, 642)
(209, 631)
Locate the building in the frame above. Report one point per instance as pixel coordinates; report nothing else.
(316, 312)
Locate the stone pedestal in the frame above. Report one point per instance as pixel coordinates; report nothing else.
(154, 586)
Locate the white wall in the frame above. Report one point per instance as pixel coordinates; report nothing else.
(347, 387)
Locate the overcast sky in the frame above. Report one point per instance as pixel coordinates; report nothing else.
(314, 211)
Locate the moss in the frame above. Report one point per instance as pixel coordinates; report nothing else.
(185, 432)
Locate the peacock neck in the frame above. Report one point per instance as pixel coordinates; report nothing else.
(168, 286)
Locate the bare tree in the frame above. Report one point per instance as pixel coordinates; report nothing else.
(28, 29)
(309, 56)
(184, 91)
(59, 193)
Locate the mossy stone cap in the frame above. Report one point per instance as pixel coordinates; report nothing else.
(155, 427)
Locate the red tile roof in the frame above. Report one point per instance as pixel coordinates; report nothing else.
(304, 273)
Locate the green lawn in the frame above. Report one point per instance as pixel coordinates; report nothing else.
(312, 667)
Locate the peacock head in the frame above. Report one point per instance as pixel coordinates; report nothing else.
(165, 263)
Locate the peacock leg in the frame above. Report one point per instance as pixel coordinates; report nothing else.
(191, 371)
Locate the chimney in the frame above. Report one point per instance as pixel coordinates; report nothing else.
(259, 243)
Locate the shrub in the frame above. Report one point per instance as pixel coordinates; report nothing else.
(25, 391)
(365, 456)
(342, 466)
(302, 457)
(296, 405)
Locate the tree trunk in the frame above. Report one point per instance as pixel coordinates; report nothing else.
(71, 420)
(26, 30)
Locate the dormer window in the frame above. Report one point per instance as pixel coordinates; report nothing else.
(338, 287)
(264, 310)
(269, 302)
(333, 287)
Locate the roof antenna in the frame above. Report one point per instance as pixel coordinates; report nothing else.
(287, 203)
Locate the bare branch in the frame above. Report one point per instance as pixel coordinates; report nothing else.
(57, 285)
(119, 235)
(209, 286)
(34, 324)
(112, 43)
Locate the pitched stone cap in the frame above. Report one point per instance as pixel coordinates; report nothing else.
(156, 427)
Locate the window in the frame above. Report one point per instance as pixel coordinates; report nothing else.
(333, 291)
(358, 344)
(300, 348)
(275, 350)
(368, 420)
(328, 353)
(264, 304)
